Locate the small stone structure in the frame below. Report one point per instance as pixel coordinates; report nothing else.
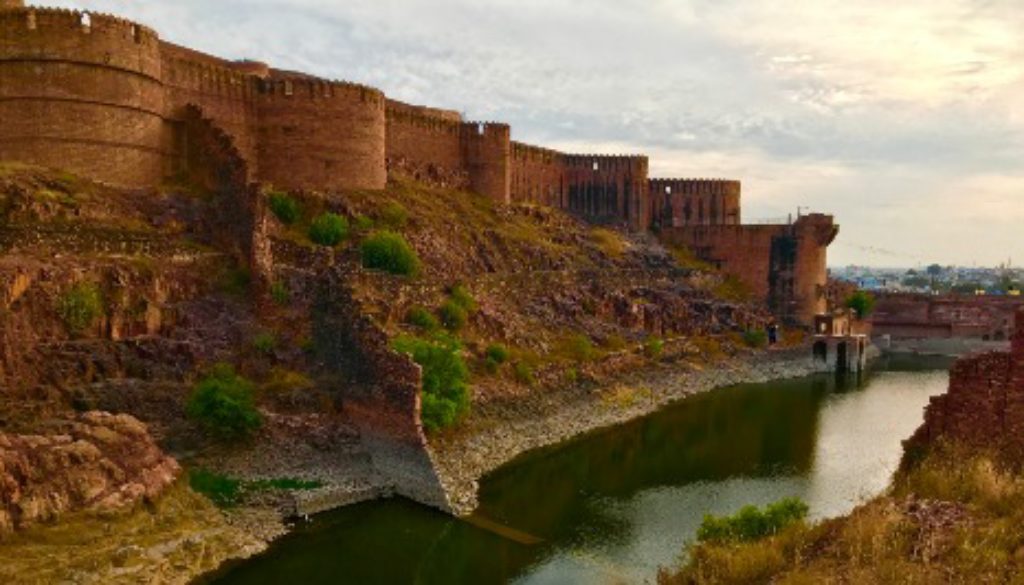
(839, 344)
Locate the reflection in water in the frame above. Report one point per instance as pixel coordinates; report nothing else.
(614, 505)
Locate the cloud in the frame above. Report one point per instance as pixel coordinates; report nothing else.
(902, 118)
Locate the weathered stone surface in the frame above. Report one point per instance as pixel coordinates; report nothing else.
(984, 406)
(95, 462)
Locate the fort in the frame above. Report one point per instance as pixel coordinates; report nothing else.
(105, 98)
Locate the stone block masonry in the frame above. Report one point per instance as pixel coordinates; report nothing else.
(984, 407)
(105, 98)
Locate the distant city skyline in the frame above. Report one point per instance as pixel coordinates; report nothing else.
(903, 121)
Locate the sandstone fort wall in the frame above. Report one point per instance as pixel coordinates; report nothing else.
(683, 202)
(107, 99)
(82, 93)
(984, 406)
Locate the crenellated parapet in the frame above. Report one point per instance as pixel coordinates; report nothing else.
(315, 134)
(82, 91)
(681, 202)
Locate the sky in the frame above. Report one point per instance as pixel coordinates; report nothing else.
(904, 119)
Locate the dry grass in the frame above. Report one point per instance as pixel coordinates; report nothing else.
(687, 259)
(954, 518)
(610, 242)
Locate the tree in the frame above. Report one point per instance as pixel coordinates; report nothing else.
(934, 270)
(862, 303)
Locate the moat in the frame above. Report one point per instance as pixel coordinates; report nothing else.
(615, 505)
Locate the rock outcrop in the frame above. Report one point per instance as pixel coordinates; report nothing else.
(95, 462)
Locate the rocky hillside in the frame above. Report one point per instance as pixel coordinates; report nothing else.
(132, 302)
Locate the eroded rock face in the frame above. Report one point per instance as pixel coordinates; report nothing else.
(95, 462)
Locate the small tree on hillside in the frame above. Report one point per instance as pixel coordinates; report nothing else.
(862, 303)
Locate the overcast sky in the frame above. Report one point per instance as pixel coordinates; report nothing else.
(903, 118)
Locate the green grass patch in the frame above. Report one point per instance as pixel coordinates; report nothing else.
(751, 522)
(394, 216)
(80, 306)
(389, 252)
(265, 342)
(453, 315)
(654, 347)
(226, 491)
(756, 338)
(328, 229)
(279, 293)
(423, 319)
(524, 374)
(577, 348)
(284, 207)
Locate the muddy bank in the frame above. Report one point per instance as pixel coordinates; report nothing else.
(500, 431)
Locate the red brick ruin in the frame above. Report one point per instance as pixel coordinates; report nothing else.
(984, 407)
(105, 98)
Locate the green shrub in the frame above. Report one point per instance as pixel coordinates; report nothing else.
(389, 252)
(755, 337)
(328, 229)
(497, 352)
(279, 293)
(394, 216)
(751, 523)
(462, 297)
(284, 207)
(264, 342)
(524, 374)
(422, 318)
(223, 404)
(453, 315)
(653, 347)
(445, 390)
(862, 303)
(80, 306)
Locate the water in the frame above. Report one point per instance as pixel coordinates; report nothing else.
(613, 506)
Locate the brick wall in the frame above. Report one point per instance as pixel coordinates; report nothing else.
(316, 135)
(681, 202)
(782, 265)
(927, 316)
(984, 406)
(82, 93)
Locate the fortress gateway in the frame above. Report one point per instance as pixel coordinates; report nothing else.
(107, 99)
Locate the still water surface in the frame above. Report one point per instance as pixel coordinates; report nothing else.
(613, 506)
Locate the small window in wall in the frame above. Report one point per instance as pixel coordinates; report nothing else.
(480, 129)
(596, 167)
(289, 89)
(86, 21)
(668, 189)
(32, 20)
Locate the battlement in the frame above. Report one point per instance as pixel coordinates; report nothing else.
(289, 86)
(16, 15)
(11, 4)
(695, 186)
